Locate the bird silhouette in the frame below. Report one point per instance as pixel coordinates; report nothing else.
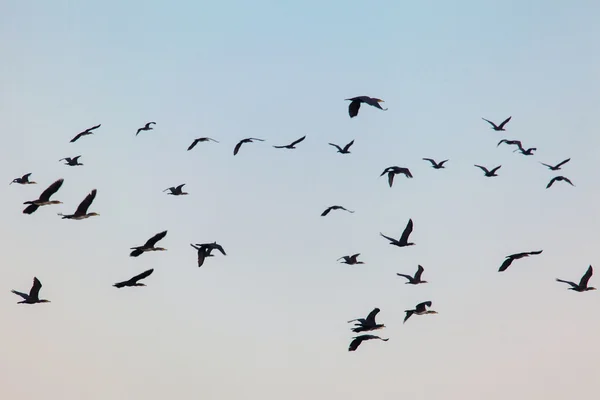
(498, 127)
(356, 101)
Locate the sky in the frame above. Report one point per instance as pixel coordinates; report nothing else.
(268, 321)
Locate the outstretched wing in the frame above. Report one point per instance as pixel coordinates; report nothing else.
(347, 147)
(495, 169)
(194, 143)
(324, 213)
(586, 277)
(419, 273)
(298, 141)
(237, 147)
(551, 182)
(562, 163)
(23, 295)
(178, 188)
(408, 314)
(484, 169)
(573, 284)
(358, 340)
(50, 190)
(30, 209)
(372, 315)
(85, 204)
(35, 289)
(388, 238)
(504, 122)
(421, 307)
(141, 276)
(152, 241)
(77, 137)
(336, 146)
(490, 122)
(407, 231)
(353, 109)
(432, 161)
(391, 175)
(506, 264)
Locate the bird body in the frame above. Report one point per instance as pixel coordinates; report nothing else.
(149, 245)
(359, 339)
(81, 212)
(345, 149)
(329, 209)
(241, 142)
(557, 166)
(350, 260)
(72, 162)
(44, 198)
(403, 241)
(356, 101)
(416, 279)
(24, 180)
(487, 172)
(146, 127)
(176, 191)
(88, 131)
(420, 309)
(199, 140)
(498, 127)
(509, 259)
(582, 286)
(134, 281)
(559, 178)
(33, 296)
(291, 145)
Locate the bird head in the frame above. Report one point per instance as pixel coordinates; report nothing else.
(160, 249)
(591, 288)
(432, 312)
(424, 282)
(140, 284)
(379, 100)
(56, 202)
(44, 301)
(93, 214)
(13, 181)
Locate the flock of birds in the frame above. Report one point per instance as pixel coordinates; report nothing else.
(204, 250)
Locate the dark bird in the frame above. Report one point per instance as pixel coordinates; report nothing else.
(291, 145)
(241, 142)
(149, 245)
(510, 142)
(416, 279)
(81, 212)
(498, 127)
(359, 339)
(199, 140)
(420, 309)
(393, 171)
(403, 242)
(559, 178)
(71, 161)
(557, 166)
(350, 260)
(367, 324)
(345, 150)
(24, 180)
(88, 131)
(146, 127)
(134, 281)
(513, 257)
(205, 249)
(33, 296)
(44, 198)
(526, 152)
(435, 165)
(582, 286)
(176, 191)
(355, 104)
(489, 173)
(324, 213)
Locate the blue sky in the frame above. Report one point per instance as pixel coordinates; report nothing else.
(269, 319)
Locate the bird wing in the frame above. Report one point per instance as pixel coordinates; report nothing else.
(78, 136)
(353, 108)
(136, 252)
(23, 295)
(358, 340)
(216, 141)
(442, 162)
(586, 277)
(93, 127)
(407, 231)
(419, 273)
(372, 315)
(547, 165)
(432, 161)
(495, 169)
(567, 180)
(141, 276)
(490, 122)
(85, 204)
(152, 241)
(408, 314)
(336, 146)
(172, 189)
(421, 307)
(552, 181)
(562, 163)
(388, 238)
(35, 289)
(194, 143)
(26, 176)
(532, 253)
(504, 122)
(297, 141)
(218, 247)
(506, 263)
(324, 213)
(484, 169)
(347, 147)
(178, 188)
(573, 284)
(391, 175)
(237, 147)
(410, 278)
(50, 190)
(406, 172)
(30, 209)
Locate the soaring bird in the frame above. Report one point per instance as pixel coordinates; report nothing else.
(291, 145)
(403, 241)
(359, 339)
(44, 198)
(350, 260)
(582, 286)
(559, 178)
(557, 166)
(526, 152)
(487, 172)
(367, 324)
(241, 142)
(345, 149)
(416, 279)
(81, 212)
(146, 127)
(510, 142)
(393, 171)
(355, 104)
(199, 140)
(498, 127)
(149, 245)
(176, 191)
(24, 180)
(324, 213)
(420, 309)
(134, 281)
(33, 296)
(434, 164)
(513, 257)
(72, 162)
(205, 249)
(88, 131)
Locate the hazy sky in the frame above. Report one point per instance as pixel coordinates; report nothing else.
(268, 321)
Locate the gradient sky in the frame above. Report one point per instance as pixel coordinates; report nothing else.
(268, 321)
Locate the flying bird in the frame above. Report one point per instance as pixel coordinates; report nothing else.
(559, 178)
(510, 142)
(24, 180)
(367, 324)
(205, 249)
(291, 145)
(557, 166)
(149, 245)
(134, 281)
(345, 150)
(487, 172)
(420, 309)
(416, 279)
(393, 171)
(241, 142)
(526, 152)
(509, 259)
(33, 296)
(403, 241)
(199, 140)
(81, 212)
(324, 213)
(88, 131)
(435, 165)
(582, 286)
(71, 161)
(176, 191)
(355, 104)
(498, 127)
(146, 127)
(359, 339)
(350, 260)
(44, 199)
